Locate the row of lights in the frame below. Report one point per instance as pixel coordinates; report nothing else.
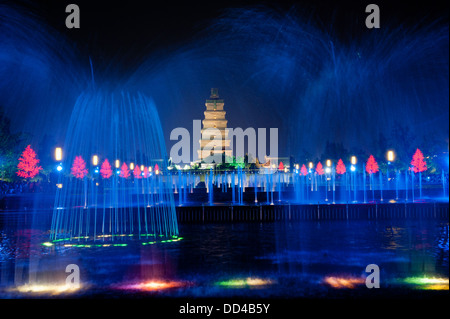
(353, 160)
(59, 155)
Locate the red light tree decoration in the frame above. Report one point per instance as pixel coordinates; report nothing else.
(319, 169)
(371, 165)
(79, 169)
(105, 169)
(281, 166)
(303, 170)
(137, 172)
(146, 172)
(418, 163)
(340, 167)
(418, 166)
(124, 171)
(28, 164)
(156, 168)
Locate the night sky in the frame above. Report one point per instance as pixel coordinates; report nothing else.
(129, 40)
(130, 30)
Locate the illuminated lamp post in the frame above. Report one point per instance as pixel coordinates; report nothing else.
(95, 164)
(59, 167)
(327, 171)
(58, 158)
(117, 165)
(390, 155)
(311, 165)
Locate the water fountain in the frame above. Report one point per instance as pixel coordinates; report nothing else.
(107, 204)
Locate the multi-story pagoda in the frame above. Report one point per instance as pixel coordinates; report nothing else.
(214, 118)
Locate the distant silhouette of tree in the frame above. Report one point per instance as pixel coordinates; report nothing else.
(334, 151)
(11, 146)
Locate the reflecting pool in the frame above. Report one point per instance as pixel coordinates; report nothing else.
(274, 259)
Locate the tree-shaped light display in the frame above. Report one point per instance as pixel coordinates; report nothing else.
(340, 167)
(28, 164)
(146, 172)
(105, 169)
(303, 170)
(281, 166)
(418, 163)
(319, 169)
(124, 171)
(79, 169)
(372, 165)
(137, 172)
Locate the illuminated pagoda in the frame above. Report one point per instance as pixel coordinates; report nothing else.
(214, 118)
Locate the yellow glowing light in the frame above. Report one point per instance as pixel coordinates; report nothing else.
(353, 160)
(58, 154)
(329, 163)
(297, 166)
(258, 282)
(390, 156)
(59, 185)
(142, 168)
(95, 160)
(340, 282)
(311, 165)
(131, 166)
(48, 289)
(150, 169)
(436, 287)
(117, 164)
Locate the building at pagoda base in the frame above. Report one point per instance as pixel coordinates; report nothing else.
(214, 148)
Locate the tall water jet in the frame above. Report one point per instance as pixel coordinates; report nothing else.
(123, 129)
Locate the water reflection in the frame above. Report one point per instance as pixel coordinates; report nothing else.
(283, 259)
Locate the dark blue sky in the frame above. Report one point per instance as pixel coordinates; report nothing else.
(310, 68)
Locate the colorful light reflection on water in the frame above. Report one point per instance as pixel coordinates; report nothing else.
(244, 282)
(153, 285)
(428, 283)
(343, 282)
(52, 289)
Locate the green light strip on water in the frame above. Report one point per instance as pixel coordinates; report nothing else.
(232, 283)
(174, 238)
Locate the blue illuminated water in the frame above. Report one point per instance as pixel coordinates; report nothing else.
(294, 257)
